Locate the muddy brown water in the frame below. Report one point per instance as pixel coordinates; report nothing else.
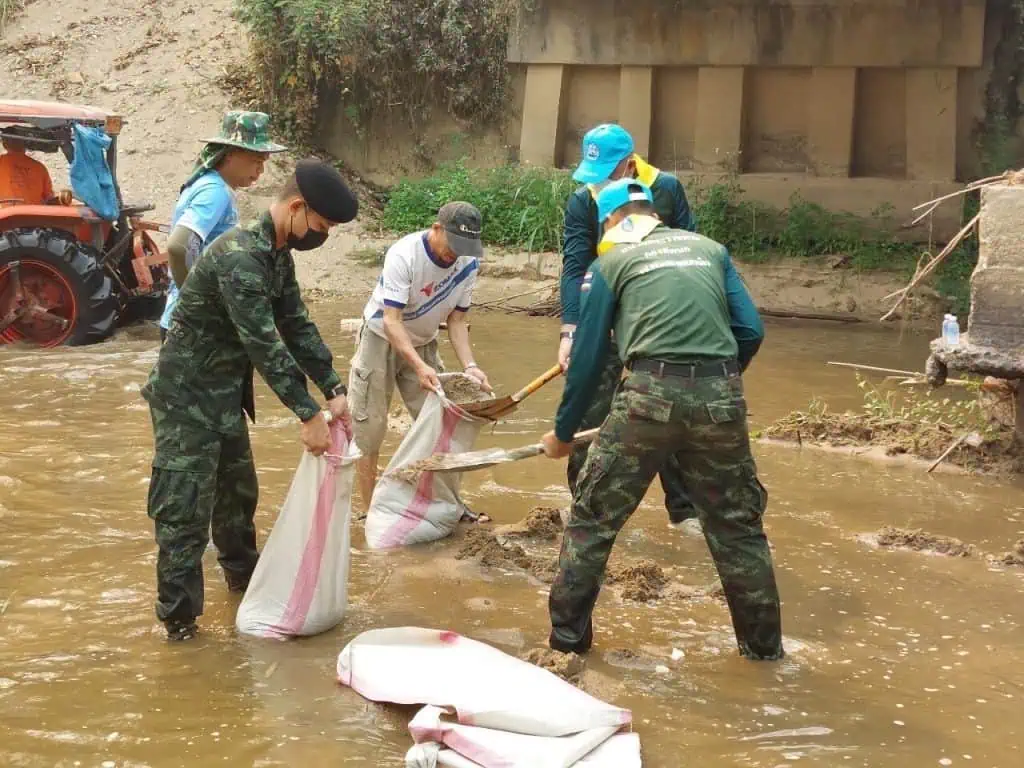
(895, 658)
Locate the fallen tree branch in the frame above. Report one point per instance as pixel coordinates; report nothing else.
(967, 188)
(953, 447)
(809, 315)
(894, 373)
(931, 266)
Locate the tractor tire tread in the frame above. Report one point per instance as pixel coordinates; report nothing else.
(98, 303)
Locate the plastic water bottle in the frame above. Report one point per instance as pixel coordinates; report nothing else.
(951, 331)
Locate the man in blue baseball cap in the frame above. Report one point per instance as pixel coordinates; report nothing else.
(685, 329)
(607, 155)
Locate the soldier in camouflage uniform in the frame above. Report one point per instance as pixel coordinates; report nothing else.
(608, 155)
(239, 310)
(686, 329)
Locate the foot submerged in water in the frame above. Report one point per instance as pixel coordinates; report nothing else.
(178, 631)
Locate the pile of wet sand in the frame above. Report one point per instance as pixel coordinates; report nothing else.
(543, 523)
(567, 666)
(493, 551)
(460, 388)
(643, 581)
(899, 437)
(1015, 557)
(918, 540)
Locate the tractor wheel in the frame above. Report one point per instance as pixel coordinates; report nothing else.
(53, 290)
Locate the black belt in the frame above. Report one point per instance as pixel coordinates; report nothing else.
(685, 370)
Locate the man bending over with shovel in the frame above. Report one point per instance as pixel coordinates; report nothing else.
(428, 279)
(608, 155)
(685, 329)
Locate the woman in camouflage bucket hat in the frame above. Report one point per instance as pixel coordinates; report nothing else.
(206, 207)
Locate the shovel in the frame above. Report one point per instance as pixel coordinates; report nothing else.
(502, 406)
(472, 460)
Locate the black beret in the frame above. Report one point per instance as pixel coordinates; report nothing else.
(325, 191)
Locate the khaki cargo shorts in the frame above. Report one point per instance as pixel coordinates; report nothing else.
(376, 369)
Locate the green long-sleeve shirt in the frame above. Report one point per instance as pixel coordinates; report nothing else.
(240, 309)
(582, 232)
(673, 297)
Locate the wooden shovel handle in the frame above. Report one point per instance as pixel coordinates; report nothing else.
(552, 373)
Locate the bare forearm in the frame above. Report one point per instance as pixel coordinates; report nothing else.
(458, 334)
(399, 340)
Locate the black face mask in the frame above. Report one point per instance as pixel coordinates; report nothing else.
(312, 239)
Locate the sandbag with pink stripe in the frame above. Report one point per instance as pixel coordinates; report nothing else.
(300, 585)
(401, 513)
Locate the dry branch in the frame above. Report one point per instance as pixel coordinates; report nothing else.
(922, 272)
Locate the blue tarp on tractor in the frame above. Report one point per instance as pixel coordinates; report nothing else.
(91, 179)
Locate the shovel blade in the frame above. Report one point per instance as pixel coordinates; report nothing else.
(491, 409)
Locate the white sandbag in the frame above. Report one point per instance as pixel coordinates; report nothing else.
(491, 747)
(620, 751)
(300, 584)
(401, 513)
(509, 713)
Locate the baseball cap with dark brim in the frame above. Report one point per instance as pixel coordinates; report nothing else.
(619, 193)
(246, 130)
(604, 147)
(461, 222)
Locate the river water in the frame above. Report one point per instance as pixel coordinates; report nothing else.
(895, 658)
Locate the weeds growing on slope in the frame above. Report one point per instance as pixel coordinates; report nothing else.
(523, 208)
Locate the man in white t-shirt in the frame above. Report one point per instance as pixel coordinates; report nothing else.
(428, 279)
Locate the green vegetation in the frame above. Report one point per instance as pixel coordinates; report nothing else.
(523, 208)
(377, 56)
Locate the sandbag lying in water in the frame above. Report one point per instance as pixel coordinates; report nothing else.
(509, 713)
(300, 585)
(403, 513)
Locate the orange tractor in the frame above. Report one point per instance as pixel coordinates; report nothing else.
(67, 274)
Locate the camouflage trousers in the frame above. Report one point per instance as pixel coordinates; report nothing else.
(677, 502)
(201, 481)
(702, 422)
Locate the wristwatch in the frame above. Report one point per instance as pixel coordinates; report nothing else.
(338, 391)
(570, 335)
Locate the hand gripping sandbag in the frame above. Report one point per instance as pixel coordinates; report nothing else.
(508, 713)
(403, 513)
(300, 585)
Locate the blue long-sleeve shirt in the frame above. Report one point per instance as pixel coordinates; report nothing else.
(642, 303)
(581, 234)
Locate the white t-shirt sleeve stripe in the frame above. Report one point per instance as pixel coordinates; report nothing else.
(465, 300)
(396, 278)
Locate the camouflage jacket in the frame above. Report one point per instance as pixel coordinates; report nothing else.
(240, 307)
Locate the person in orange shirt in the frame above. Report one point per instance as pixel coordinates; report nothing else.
(23, 179)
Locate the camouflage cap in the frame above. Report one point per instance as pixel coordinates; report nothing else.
(246, 130)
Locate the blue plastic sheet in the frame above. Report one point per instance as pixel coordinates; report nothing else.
(91, 179)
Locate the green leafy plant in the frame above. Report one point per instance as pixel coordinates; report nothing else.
(925, 409)
(379, 55)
